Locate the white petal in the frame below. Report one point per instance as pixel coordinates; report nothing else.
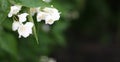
(49, 20)
(29, 24)
(49, 15)
(38, 9)
(14, 10)
(57, 16)
(41, 16)
(15, 25)
(34, 10)
(52, 15)
(25, 30)
(50, 10)
(53, 12)
(9, 15)
(22, 17)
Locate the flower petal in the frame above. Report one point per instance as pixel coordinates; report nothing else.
(29, 24)
(49, 20)
(34, 10)
(14, 10)
(25, 30)
(22, 17)
(15, 25)
(50, 10)
(52, 15)
(41, 16)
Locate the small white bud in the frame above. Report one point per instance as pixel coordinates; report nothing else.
(14, 10)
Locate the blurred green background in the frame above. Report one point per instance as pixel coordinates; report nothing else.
(88, 31)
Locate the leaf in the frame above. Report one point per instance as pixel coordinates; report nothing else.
(31, 3)
(8, 43)
(4, 9)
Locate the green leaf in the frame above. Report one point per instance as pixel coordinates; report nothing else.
(8, 43)
(4, 9)
(31, 3)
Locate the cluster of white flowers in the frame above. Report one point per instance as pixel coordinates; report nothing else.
(49, 14)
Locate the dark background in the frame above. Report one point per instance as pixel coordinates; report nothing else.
(94, 36)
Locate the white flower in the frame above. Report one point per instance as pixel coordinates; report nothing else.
(15, 25)
(34, 10)
(49, 15)
(54, 15)
(41, 16)
(49, 20)
(22, 17)
(14, 10)
(25, 30)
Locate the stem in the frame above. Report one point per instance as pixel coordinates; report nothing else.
(34, 28)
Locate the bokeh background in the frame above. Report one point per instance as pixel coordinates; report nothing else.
(88, 31)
